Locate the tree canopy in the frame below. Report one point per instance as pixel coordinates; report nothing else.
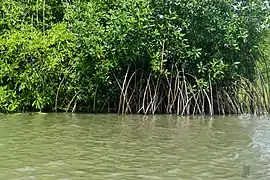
(84, 55)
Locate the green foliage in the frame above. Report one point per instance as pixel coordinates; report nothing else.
(33, 63)
(57, 53)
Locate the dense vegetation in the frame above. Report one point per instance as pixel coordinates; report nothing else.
(134, 56)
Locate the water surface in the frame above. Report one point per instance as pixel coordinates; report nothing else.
(85, 146)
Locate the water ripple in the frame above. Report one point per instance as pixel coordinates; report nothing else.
(83, 147)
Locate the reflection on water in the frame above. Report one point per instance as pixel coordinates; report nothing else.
(60, 146)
